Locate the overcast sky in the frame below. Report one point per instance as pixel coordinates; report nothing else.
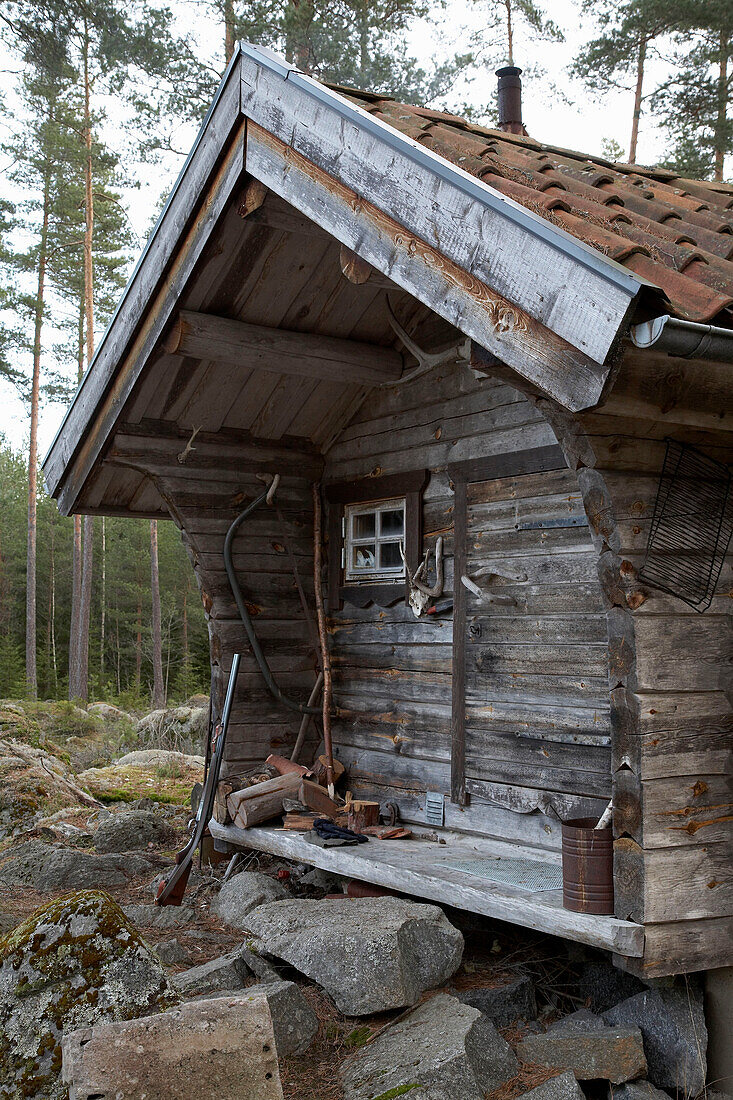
(574, 121)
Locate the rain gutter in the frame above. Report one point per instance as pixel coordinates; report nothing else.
(686, 339)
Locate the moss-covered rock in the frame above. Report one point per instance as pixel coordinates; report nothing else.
(75, 962)
(49, 868)
(129, 782)
(33, 783)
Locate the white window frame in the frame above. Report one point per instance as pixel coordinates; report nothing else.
(368, 574)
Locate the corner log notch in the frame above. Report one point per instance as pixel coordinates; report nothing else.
(282, 351)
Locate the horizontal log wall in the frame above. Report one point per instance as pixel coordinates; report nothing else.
(392, 674)
(670, 669)
(259, 724)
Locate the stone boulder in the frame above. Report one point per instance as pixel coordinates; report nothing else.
(148, 758)
(49, 868)
(108, 712)
(671, 1018)
(172, 953)
(224, 1048)
(132, 830)
(369, 954)
(228, 972)
(607, 1053)
(442, 1051)
(503, 1003)
(160, 917)
(175, 727)
(31, 781)
(169, 780)
(562, 1087)
(643, 1090)
(293, 1019)
(75, 962)
(243, 893)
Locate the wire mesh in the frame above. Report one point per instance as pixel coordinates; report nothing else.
(691, 526)
(527, 874)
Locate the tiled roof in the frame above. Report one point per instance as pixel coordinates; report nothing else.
(675, 232)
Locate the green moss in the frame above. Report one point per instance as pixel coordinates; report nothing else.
(358, 1036)
(399, 1091)
(74, 962)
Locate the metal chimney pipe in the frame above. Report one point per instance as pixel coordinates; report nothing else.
(510, 100)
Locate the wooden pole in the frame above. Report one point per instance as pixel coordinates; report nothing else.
(323, 636)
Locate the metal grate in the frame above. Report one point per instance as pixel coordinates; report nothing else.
(691, 526)
(527, 874)
(434, 808)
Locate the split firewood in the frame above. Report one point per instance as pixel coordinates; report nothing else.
(315, 798)
(263, 801)
(320, 766)
(388, 832)
(283, 766)
(362, 814)
(299, 822)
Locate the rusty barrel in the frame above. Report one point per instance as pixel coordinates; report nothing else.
(587, 867)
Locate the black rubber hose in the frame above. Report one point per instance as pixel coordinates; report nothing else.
(244, 615)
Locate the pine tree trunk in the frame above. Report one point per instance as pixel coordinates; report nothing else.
(75, 622)
(640, 63)
(52, 587)
(103, 598)
(158, 686)
(185, 637)
(721, 127)
(31, 672)
(228, 30)
(85, 607)
(139, 640)
(85, 601)
(509, 32)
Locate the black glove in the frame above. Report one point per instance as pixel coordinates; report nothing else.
(328, 831)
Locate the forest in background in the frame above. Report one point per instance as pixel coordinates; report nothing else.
(100, 91)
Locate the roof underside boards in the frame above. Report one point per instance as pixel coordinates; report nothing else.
(453, 253)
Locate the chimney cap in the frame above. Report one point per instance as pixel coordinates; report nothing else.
(509, 70)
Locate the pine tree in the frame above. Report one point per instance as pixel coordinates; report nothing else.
(695, 107)
(631, 34)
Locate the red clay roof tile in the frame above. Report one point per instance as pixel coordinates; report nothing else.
(675, 232)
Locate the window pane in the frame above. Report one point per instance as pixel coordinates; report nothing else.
(363, 525)
(392, 521)
(389, 555)
(363, 557)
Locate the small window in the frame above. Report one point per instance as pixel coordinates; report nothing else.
(372, 537)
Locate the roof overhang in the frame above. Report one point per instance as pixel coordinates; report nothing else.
(550, 307)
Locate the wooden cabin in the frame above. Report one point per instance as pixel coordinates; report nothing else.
(464, 335)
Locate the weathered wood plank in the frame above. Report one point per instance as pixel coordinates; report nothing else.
(303, 354)
(681, 947)
(677, 883)
(407, 181)
(415, 868)
(569, 375)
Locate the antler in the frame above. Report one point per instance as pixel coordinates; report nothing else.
(426, 360)
(437, 588)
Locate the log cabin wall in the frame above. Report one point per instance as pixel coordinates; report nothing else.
(392, 674)
(262, 559)
(670, 666)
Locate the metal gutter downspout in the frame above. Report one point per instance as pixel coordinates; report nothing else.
(686, 339)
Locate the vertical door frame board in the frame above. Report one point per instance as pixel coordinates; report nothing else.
(491, 468)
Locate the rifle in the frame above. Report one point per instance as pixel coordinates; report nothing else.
(172, 889)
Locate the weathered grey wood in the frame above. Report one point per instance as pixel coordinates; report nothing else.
(419, 868)
(675, 883)
(674, 812)
(377, 162)
(528, 347)
(302, 354)
(680, 947)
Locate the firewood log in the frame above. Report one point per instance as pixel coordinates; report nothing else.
(362, 814)
(253, 805)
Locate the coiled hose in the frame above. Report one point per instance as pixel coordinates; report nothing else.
(301, 708)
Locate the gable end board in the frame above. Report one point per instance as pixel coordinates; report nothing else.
(558, 280)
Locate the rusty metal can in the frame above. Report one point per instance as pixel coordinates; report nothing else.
(587, 867)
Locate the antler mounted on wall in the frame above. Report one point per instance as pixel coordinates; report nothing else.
(427, 360)
(421, 593)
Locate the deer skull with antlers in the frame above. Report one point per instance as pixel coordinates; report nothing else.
(421, 593)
